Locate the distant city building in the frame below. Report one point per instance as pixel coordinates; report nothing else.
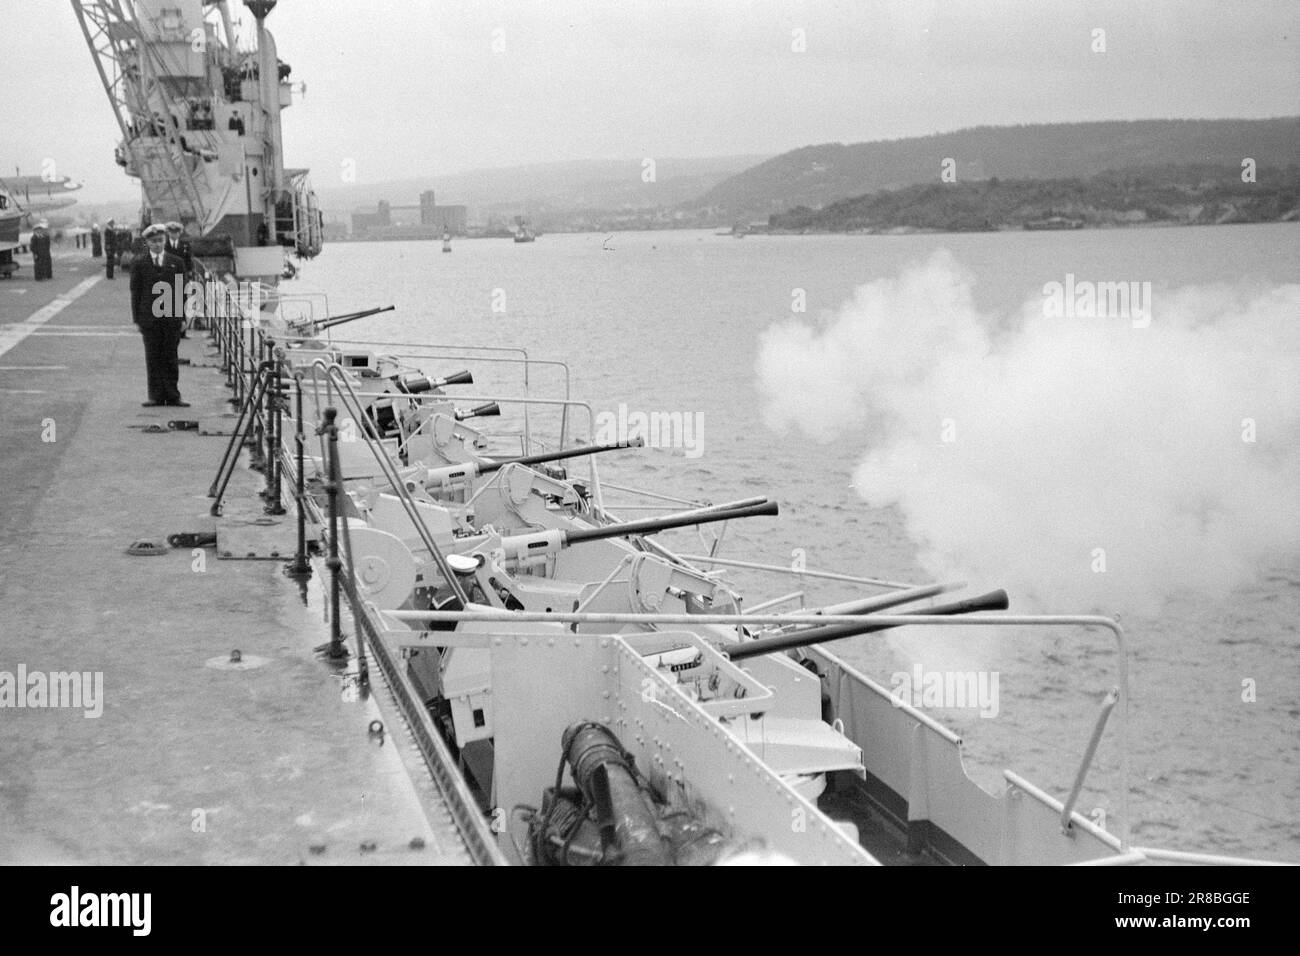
(363, 222)
(427, 206)
(450, 219)
(402, 222)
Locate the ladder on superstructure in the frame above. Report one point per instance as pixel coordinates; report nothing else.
(128, 67)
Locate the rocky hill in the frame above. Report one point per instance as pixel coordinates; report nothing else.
(1163, 195)
(816, 176)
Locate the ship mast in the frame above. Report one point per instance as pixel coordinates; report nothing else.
(268, 73)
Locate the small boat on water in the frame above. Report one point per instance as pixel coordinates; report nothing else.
(524, 231)
(1054, 222)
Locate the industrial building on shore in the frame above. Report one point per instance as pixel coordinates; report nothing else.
(427, 220)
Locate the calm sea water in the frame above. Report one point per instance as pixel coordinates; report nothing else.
(670, 322)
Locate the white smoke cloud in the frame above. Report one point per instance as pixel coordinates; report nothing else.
(1023, 453)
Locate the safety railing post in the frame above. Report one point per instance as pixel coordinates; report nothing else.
(256, 440)
(248, 354)
(334, 487)
(1067, 809)
(299, 566)
(223, 338)
(275, 444)
(238, 437)
(235, 334)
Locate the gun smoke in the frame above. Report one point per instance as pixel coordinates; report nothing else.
(1082, 463)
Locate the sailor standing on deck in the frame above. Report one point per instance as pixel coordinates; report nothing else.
(179, 247)
(96, 241)
(40, 246)
(110, 247)
(156, 283)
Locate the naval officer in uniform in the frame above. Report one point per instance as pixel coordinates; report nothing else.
(179, 246)
(155, 279)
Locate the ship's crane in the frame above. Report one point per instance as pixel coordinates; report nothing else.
(134, 70)
(199, 113)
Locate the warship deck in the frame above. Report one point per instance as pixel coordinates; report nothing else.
(192, 761)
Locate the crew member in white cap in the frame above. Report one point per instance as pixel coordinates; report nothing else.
(178, 246)
(157, 284)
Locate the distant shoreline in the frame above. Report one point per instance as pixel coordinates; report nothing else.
(760, 233)
(1087, 227)
(1157, 196)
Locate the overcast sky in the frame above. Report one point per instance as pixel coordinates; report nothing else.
(407, 87)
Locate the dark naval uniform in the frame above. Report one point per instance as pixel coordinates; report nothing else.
(40, 246)
(110, 250)
(96, 243)
(161, 329)
(181, 250)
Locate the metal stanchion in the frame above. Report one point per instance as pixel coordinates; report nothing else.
(299, 566)
(256, 440)
(223, 340)
(334, 486)
(234, 348)
(227, 466)
(274, 506)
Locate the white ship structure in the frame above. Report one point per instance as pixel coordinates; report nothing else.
(199, 110)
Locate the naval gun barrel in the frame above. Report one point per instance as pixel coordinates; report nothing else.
(491, 466)
(416, 384)
(490, 409)
(992, 601)
(667, 523)
(472, 469)
(542, 544)
(330, 321)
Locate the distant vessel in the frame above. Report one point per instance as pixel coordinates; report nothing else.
(199, 112)
(1055, 222)
(523, 231)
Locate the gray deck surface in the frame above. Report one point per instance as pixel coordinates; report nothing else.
(276, 757)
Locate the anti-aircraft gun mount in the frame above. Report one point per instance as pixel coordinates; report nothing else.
(309, 328)
(449, 482)
(539, 570)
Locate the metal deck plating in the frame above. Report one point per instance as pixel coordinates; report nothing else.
(187, 764)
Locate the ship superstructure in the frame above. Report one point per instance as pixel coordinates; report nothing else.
(199, 111)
